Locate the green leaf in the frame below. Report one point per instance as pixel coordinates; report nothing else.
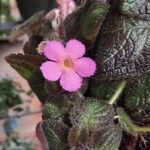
(90, 112)
(124, 45)
(56, 133)
(30, 26)
(125, 121)
(88, 117)
(28, 67)
(92, 21)
(137, 100)
(53, 88)
(32, 44)
(109, 139)
(102, 89)
(48, 32)
(86, 21)
(140, 8)
(52, 111)
(41, 136)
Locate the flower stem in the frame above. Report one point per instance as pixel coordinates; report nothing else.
(142, 129)
(119, 90)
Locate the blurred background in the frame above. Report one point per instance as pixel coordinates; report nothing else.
(20, 110)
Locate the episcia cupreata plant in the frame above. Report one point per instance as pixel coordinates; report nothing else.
(88, 62)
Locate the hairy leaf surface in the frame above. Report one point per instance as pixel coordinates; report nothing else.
(125, 121)
(137, 100)
(90, 118)
(137, 8)
(86, 21)
(123, 48)
(56, 134)
(28, 67)
(105, 139)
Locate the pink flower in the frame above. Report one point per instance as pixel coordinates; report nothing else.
(67, 64)
(66, 7)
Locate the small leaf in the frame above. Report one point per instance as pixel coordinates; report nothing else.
(125, 121)
(48, 32)
(136, 8)
(137, 100)
(56, 134)
(53, 88)
(109, 139)
(86, 21)
(41, 136)
(71, 25)
(28, 67)
(32, 44)
(52, 111)
(92, 21)
(102, 89)
(29, 26)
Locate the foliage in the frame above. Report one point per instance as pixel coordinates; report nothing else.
(5, 15)
(9, 95)
(117, 35)
(16, 143)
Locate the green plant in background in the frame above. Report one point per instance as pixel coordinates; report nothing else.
(111, 110)
(9, 95)
(16, 143)
(5, 13)
(5, 17)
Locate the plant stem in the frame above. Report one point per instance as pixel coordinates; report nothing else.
(119, 90)
(142, 129)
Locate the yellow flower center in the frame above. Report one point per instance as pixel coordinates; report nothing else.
(68, 63)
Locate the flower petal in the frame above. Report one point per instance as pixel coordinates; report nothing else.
(51, 71)
(75, 49)
(54, 50)
(85, 67)
(70, 81)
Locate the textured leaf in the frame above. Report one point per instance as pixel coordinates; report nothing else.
(92, 21)
(124, 45)
(129, 142)
(56, 134)
(102, 89)
(88, 113)
(55, 92)
(28, 67)
(137, 100)
(125, 121)
(53, 88)
(85, 23)
(103, 140)
(144, 144)
(52, 111)
(109, 140)
(29, 26)
(88, 117)
(138, 8)
(41, 136)
(80, 2)
(32, 44)
(48, 32)
(72, 23)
